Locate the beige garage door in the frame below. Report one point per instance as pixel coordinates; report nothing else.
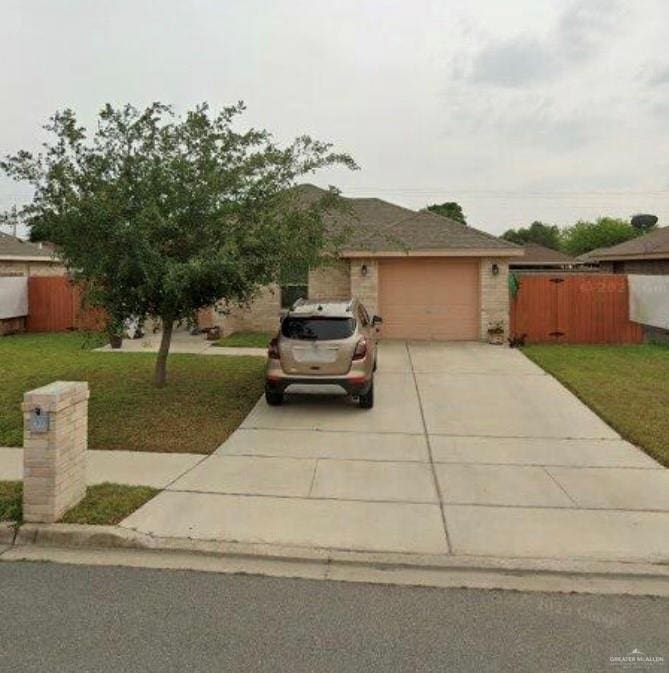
(429, 298)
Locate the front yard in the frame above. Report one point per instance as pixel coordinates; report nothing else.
(206, 397)
(628, 386)
(103, 504)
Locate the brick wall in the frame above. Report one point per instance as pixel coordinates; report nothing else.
(261, 316)
(494, 294)
(366, 287)
(332, 281)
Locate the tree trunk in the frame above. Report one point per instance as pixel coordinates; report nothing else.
(160, 375)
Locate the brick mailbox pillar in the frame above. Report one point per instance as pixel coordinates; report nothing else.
(55, 440)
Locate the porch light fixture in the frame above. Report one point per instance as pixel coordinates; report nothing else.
(495, 269)
(363, 270)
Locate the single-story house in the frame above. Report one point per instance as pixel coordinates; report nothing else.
(429, 277)
(22, 258)
(648, 255)
(540, 258)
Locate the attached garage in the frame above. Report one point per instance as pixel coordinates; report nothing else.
(429, 298)
(428, 277)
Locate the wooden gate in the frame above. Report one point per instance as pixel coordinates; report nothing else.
(574, 308)
(55, 305)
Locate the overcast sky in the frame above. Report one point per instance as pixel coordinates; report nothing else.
(519, 110)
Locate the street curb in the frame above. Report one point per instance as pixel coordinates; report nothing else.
(578, 575)
(7, 532)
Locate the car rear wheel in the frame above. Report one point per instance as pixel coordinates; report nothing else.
(274, 399)
(366, 401)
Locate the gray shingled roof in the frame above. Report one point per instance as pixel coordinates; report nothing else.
(11, 246)
(541, 255)
(378, 226)
(653, 245)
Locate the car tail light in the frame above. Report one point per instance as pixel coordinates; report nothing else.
(273, 350)
(360, 349)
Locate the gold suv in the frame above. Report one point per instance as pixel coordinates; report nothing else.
(328, 342)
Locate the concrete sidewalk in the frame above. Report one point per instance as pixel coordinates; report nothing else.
(471, 450)
(134, 468)
(182, 342)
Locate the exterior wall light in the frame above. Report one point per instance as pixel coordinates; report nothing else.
(363, 270)
(495, 269)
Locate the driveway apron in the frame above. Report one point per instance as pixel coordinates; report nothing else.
(470, 450)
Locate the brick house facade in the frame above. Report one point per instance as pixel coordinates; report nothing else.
(427, 276)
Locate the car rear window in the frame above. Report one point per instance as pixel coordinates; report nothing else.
(318, 329)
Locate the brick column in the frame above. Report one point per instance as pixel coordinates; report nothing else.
(366, 286)
(55, 439)
(494, 294)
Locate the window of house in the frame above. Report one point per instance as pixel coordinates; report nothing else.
(294, 285)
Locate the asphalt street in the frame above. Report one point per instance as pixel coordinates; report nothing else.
(71, 619)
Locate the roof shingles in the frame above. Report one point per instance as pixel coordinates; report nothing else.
(13, 247)
(377, 226)
(654, 244)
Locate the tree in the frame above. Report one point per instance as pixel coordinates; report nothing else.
(585, 236)
(547, 235)
(162, 215)
(450, 209)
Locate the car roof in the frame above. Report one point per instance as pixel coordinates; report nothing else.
(326, 309)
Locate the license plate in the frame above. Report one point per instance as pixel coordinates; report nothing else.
(315, 354)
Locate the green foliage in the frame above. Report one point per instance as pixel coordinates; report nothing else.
(450, 209)
(547, 235)
(585, 236)
(108, 504)
(161, 215)
(11, 505)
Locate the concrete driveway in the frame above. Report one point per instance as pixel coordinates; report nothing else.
(470, 450)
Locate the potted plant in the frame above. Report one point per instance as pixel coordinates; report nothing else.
(115, 332)
(496, 333)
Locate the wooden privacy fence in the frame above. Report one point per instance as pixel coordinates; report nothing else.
(575, 309)
(55, 305)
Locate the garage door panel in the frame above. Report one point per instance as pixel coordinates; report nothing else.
(429, 298)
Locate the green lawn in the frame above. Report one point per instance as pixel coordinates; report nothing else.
(104, 504)
(628, 386)
(205, 399)
(108, 504)
(11, 493)
(246, 340)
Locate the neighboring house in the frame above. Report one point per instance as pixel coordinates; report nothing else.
(588, 260)
(540, 258)
(648, 255)
(426, 275)
(22, 258)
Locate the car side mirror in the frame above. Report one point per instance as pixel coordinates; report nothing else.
(377, 320)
